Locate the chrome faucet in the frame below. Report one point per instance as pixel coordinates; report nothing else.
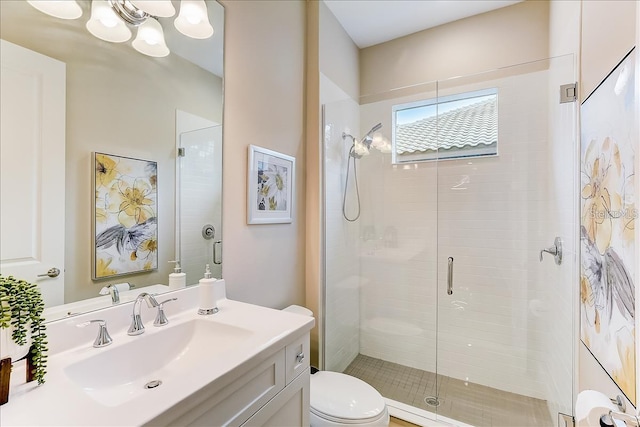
(137, 327)
(103, 339)
(115, 294)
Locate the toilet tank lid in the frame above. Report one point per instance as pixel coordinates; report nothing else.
(299, 310)
(341, 396)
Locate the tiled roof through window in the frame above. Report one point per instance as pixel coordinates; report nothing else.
(470, 126)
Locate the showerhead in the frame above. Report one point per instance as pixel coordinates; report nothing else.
(374, 129)
(368, 138)
(361, 148)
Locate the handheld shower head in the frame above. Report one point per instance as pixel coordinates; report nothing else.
(374, 129)
(360, 148)
(368, 138)
(357, 150)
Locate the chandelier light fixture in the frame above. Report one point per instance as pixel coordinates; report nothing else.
(59, 8)
(112, 20)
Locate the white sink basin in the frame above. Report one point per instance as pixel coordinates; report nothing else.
(118, 374)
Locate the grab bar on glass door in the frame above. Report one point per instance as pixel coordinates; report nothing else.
(215, 253)
(450, 277)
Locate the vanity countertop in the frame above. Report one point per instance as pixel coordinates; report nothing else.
(62, 401)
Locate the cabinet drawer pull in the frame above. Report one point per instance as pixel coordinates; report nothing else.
(300, 357)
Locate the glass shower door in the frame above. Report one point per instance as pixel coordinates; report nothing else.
(199, 199)
(380, 251)
(506, 181)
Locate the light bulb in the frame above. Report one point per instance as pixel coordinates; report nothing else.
(193, 20)
(105, 24)
(150, 39)
(63, 9)
(161, 8)
(108, 22)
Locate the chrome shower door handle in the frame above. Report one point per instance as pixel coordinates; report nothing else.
(215, 253)
(450, 277)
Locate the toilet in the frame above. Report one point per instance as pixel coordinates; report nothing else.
(338, 399)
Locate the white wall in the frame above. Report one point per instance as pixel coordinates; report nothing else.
(264, 105)
(500, 38)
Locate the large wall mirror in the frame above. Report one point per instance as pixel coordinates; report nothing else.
(106, 97)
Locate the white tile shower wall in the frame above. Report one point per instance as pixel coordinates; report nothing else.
(342, 279)
(486, 214)
(200, 194)
(398, 310)
(398, 254)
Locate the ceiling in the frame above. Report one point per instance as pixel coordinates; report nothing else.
(370, 22)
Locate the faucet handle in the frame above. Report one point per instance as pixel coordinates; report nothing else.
(161, 318)
(555, 250)
(103, 339)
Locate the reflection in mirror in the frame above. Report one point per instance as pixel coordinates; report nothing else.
(199, 184)
(69, 88)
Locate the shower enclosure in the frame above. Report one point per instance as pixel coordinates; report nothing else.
(199, 185)
(438, 295)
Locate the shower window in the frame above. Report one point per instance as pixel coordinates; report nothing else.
(450, 127)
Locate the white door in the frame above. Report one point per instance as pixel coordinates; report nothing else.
(32, 173)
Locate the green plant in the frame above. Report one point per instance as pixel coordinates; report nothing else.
(21, 306)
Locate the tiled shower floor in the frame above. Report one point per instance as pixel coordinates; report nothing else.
(470, 403)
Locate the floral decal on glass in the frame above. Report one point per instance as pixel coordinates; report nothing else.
(270, 186)
(608, 220)
(125, 215)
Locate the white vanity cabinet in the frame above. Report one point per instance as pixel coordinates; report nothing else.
(268, 390)
(244, 366)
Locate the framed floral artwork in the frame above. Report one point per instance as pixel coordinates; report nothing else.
(125, 222)
(270, 185)
(608, 248)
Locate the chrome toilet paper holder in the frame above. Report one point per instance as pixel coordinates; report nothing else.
(619, 402)
(629, 419)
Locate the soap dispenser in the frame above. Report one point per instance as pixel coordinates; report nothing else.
(207, 294)
(177, 279)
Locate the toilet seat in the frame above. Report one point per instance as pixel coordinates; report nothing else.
(344, 399)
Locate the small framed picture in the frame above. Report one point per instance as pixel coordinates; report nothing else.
(270, 186)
